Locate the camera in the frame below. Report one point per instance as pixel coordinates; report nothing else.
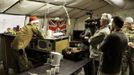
(92, 23)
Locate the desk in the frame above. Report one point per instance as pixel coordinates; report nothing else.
(67, 67)
(7, 52)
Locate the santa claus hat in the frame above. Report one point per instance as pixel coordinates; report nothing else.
(33, 19)
(129, 20)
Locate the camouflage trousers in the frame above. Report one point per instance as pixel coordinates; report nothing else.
(128, 62)
(21, 60)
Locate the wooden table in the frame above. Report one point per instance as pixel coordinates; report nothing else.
(67, 67)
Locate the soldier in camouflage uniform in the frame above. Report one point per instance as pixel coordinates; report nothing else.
(96, 39)
(21, 41)
(128, 58)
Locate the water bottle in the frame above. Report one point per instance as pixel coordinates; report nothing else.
(69, 38)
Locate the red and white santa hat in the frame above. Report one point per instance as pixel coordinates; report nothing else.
(33, 19)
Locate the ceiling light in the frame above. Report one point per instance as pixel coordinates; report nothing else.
(57, 0)
(119, 3)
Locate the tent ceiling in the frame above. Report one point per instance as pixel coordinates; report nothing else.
(51, 8)
(6, 4)
(25, 7)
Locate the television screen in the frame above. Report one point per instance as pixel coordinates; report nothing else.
(42, 44)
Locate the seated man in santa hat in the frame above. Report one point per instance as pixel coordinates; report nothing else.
(22, 40)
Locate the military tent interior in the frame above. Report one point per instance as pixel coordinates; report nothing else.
(16, 12)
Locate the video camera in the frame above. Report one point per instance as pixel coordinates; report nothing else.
(92, 23)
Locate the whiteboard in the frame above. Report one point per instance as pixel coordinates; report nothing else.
(10, 21)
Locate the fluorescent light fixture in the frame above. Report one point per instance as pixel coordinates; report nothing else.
(57, 0)
(119, 3)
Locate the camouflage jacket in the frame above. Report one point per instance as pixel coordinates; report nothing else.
(25, 35)
(130, 34)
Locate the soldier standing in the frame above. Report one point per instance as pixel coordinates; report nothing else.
(128, 58)
(21, 41)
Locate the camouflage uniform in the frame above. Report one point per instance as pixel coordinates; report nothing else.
(21, 41)
(128, 57)
(94, 41)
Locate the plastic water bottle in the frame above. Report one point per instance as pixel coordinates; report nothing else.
(69, 38)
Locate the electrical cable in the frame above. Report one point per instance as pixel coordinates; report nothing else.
(45, 26)
(69, 21)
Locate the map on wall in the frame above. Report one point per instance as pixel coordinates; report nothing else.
(10, 21)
